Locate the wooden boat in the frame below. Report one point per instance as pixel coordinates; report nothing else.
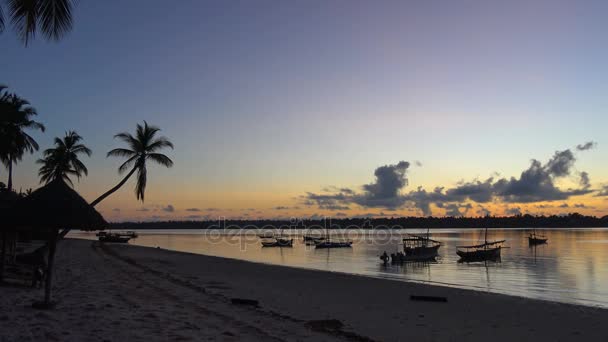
(277, 242)
(535, 239)
(487, 251)
(333, 244)
(327, 243)
(313, 238)
(112, 237)
(267, 235)
(417, 248)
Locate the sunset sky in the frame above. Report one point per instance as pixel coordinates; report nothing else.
(341, 108)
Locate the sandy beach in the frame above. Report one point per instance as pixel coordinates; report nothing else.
(123, 292)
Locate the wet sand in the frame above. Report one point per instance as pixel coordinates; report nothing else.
(123, 292)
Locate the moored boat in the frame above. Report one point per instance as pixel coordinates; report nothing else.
(487, 251)
(112, 237)
(534, 239)
(277, 242)
(333, 244)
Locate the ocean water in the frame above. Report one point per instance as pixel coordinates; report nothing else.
(572, 267)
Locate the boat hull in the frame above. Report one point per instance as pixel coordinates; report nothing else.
(536, 241)
(416, 254)
(117, 239)
(329, 244)
(490, 254)
(278, 243)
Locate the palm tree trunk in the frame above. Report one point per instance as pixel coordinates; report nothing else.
(10, 173)
(102, 197)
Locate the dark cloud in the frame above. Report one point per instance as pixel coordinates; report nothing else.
(535, 184)
(142, 209)
(586, 146)
(281, 208)
(602, 192)
(563, 205)
(169, 208)
(483, 211)
(340, 214)
(116, 209)
(193, 209)
(584, 180)
(418, 163)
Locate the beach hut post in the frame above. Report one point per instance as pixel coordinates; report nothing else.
(49, 273)
(3, 256)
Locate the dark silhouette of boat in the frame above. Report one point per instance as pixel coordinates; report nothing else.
(417, 248)
(277, 242)
(487, 251)
(327, 243)
(535, 239)
(113, 237)
(333, 244)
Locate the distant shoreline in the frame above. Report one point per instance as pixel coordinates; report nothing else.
(573, 220)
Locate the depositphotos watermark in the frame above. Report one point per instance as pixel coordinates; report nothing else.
(303, 232)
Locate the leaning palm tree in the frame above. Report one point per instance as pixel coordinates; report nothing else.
(62, 161)
(52, 18)
(142, 147)
(16, 117)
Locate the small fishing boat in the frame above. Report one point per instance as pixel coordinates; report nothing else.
(112, 237)
(487, 251)
(312, 238)
(327, 243)
(277, 242)
(535, 239)
(266, 235)
(417, 248)
(333, 244)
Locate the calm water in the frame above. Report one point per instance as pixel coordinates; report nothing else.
(571, 268)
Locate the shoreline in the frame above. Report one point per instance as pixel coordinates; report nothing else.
(153, 294)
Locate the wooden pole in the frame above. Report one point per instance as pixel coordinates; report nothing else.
(49, 272)
(3, 256)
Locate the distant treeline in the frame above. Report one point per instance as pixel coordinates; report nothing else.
(574, 220)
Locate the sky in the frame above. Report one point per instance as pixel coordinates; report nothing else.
(337, 108)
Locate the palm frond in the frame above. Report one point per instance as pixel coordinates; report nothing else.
(120, 152)
(24, 17)
(127, 164)
(159, 144)
(161, 159)
(55, 17)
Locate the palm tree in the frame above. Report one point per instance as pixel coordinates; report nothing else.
(52, 18)
(62, 161)
(142, 147)
(15, 118)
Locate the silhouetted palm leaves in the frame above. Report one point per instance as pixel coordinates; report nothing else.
(62, 161)
(142, 147)
(15, 117)
(52, 18)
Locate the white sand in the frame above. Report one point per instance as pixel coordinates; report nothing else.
(129, 293)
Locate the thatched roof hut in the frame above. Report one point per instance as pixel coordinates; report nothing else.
(55, 206)
(50, 208)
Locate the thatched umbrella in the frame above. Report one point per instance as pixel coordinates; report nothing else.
(50, 208)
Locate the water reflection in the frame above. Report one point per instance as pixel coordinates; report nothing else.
(572, 267)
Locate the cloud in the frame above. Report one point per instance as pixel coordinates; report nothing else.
(193, 209)
(483, 211)
(586, 146)
(340, 214)
(193, 217)
(142, 209)
(116, 209)
(537, 183)
(418, 163)
(602, 192)
(169, 208)
(281, 208)
(563, 205)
